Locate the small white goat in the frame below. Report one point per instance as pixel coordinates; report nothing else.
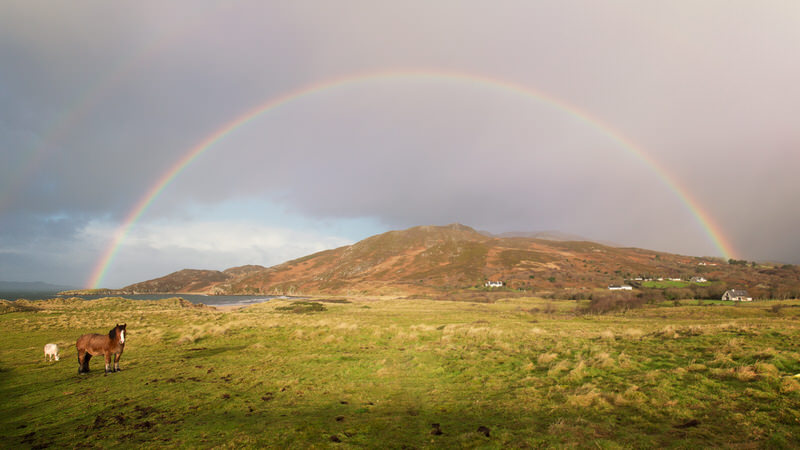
(50, 352)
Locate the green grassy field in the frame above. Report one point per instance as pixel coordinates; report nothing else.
(520, 372)
(664, 284)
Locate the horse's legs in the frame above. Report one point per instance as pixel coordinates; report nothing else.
(117, 356)
(83, 361)
(86, 357)
(107, 355)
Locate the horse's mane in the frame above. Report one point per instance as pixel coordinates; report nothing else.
(113, 332)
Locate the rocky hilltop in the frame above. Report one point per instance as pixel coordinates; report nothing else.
(436, 259)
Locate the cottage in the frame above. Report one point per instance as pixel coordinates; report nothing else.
(737, 295)
(623, 287)
(698, 280)
(494, 284)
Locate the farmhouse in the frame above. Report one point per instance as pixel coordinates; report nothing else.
(494, 284)
(698, 280)
(737, 295)
(623, 287)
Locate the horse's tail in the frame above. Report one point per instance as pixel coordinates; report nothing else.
(81, 345)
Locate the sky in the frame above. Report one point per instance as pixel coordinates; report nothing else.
(309, 125)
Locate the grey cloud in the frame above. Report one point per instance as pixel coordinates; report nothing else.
(109, 96)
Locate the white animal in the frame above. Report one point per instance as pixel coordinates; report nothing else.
(50, 352)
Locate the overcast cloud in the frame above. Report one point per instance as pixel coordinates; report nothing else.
(99, 100)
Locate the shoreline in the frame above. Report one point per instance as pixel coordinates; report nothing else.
(208, 300)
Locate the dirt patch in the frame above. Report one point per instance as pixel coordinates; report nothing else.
(99, 422)
(146, 425)
(688, 424)
(144, 411)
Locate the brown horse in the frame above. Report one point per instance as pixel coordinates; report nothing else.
(90, 345)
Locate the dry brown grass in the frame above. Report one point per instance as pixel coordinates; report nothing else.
(546, 358)
(559, 367)
(607, 335)
(789, 385)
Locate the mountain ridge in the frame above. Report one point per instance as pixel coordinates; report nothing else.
(437, 259)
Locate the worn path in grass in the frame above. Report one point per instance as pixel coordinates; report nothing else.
(416, 373)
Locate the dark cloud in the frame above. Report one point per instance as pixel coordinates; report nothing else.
(98, 100)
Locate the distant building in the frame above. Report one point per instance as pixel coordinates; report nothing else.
(623, 287)
(737, 295)
(494, 284)
(698, 280)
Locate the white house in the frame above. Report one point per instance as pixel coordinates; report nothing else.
(737, 295)
(624, 287)
(698, 280)
(494, 284)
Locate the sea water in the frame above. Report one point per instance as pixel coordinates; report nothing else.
(211, 300)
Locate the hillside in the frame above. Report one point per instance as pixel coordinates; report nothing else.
(437, 259)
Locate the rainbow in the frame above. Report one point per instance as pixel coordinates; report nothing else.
(711, 229)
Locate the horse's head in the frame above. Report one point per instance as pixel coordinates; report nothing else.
(118, 331)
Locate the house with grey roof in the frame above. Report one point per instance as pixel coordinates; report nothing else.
(737, 295)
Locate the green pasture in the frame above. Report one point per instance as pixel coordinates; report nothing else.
(398, 373)
(664, 284)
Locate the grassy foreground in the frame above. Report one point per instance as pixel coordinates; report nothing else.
(405, 373)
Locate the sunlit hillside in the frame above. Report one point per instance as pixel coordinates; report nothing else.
(432, 260)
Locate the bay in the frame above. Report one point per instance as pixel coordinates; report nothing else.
(210, 300)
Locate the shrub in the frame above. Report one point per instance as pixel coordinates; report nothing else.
(610, 302)
(302, 307)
